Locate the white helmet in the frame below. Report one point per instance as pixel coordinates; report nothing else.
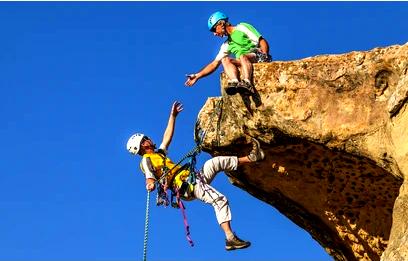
(133, 144)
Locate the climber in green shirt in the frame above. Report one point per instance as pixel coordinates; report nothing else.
(248, 46)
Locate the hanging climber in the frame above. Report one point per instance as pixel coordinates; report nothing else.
(155, 162)
(248, 46)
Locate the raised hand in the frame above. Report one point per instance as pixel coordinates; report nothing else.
(176, 108)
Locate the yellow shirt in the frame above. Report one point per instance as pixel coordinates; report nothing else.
(152, 166)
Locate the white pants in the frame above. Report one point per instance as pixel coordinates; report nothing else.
(204, 192)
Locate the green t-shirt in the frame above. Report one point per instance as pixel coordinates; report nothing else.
(244, 39)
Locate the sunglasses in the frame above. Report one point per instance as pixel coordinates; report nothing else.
(145, 138)
(215, 26)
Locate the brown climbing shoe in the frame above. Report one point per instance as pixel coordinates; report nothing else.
(236, 243)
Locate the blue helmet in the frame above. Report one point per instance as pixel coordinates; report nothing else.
(214, 18)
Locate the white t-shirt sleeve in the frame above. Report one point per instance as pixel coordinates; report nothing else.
(223, 52)
(163, 148)
(147, 168)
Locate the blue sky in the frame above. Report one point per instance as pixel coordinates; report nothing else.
(78, 78)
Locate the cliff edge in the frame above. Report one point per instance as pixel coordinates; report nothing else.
(334, 129)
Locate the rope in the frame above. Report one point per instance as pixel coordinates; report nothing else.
(146, 229)
(191, 153)
(217, 111)
(186, 225)
(219, 120)
(197, 149)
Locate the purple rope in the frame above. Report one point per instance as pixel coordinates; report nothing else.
(186, 226)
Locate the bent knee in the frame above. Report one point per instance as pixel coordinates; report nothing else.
(250, 57)
(220, 201)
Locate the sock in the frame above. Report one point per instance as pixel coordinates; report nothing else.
(247, 80)
(233, 80)
(229, 235)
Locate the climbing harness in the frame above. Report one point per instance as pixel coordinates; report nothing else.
(191, 154)
(177, 193)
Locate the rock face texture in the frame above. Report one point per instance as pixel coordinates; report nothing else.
(334, 129)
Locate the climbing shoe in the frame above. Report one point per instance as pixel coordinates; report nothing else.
(245, 87)
(256, 153)
(231, 88)
(236, 243)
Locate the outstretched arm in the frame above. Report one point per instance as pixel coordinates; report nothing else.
(208, 69)
(168, 133)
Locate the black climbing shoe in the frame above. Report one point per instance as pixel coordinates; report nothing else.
(231, 88)
(245, 87)
(236, 243)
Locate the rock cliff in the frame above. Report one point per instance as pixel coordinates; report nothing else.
(334, 129)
